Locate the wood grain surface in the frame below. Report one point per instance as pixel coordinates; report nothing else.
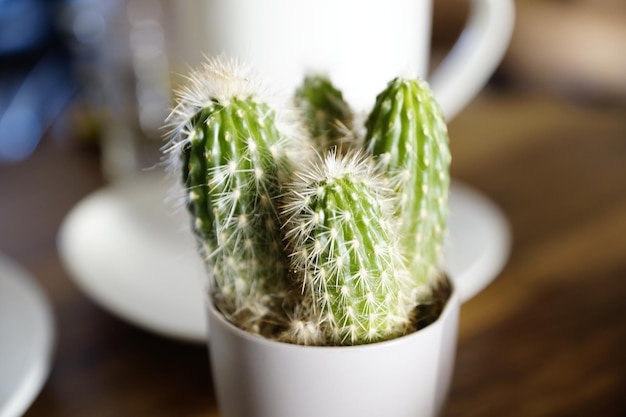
(546, 338)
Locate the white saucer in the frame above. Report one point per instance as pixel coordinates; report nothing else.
(26, 339)
(479, 243)
(127, 251)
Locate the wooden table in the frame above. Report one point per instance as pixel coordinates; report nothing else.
(547, 338)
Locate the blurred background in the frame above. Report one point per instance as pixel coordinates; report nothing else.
(569, 48)
(89, 70)
(103, 71)
(85, 86)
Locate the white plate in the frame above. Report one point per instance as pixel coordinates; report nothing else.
(127, 251)
(26, 339)
(479, 243)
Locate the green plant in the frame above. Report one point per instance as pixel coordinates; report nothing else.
(407, 134)
(345, 254)
(320, 250)
(327, 116)
(233, 161)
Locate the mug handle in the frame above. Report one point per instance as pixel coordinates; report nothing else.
(475, 56)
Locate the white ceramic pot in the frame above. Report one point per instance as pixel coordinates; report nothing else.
(406, 377)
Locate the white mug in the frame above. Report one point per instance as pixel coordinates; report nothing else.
(360, 44)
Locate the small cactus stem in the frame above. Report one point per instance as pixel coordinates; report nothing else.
(407, 134)
(326, 114)
(233, 160)
(345, 253)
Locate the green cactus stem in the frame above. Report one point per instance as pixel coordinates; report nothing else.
(327, 115)
(233, 160)
(407, 134)
(359, 233)
(344, 251)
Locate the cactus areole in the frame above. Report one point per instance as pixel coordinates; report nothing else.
(314, 244)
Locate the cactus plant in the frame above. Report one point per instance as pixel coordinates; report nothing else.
(407, 134)
(344, 250)
(339, 250)
(327, 115)
(233, 161)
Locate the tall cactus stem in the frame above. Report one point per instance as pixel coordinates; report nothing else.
(233, 161)
(407, 134)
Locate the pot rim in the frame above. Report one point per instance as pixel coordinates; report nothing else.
(258, 339)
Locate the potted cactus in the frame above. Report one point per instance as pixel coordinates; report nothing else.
(322, 242)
